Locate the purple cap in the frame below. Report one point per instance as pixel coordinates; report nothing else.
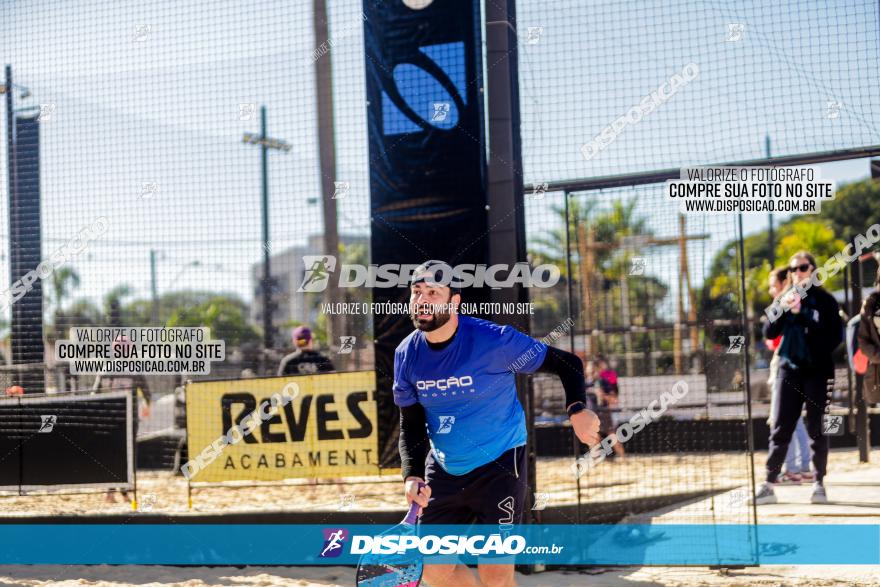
(302, 334)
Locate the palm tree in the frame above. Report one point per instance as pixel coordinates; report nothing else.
(550, 247)
(607, 227)
(600, 253)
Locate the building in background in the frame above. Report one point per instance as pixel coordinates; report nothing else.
(288, 272)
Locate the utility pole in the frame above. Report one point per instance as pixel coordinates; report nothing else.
(266, 143)
(587, 247)
(863, 429)
(686, 276)
(327, 155)
(771, 240)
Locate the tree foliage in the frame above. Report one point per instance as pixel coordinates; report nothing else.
(855, 208)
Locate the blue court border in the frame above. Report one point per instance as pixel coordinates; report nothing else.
(294, 544)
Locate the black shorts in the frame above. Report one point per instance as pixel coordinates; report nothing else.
(494, 493)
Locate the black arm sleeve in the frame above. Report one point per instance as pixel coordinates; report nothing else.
(570, 371)
(413, 443)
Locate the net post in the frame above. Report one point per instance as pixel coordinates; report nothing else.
(863, 432)
(750, 433)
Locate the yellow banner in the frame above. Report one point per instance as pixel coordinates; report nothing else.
(323, 426)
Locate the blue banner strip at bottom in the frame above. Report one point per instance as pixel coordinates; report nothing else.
(288, 544)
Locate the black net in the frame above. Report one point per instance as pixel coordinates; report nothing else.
(650, 299)
(148, 149)
(198, 167)
(803, 73)
(655, 335)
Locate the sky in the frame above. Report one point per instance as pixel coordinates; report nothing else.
(147, 125)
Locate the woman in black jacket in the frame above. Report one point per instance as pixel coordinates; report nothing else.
(811, 329)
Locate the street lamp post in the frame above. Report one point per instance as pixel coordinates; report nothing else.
(771, 239)
(265, 142)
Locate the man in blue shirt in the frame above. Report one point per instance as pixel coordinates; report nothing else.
(462, 428)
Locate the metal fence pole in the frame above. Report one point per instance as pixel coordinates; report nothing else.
(863, 432)
(750, 432)
(569, 311)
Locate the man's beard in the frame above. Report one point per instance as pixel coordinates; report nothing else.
(437, 320)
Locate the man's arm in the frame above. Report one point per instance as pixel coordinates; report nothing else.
(570, 370)
(413, 438)
(282, 367)
(413, 445)
(413, 442)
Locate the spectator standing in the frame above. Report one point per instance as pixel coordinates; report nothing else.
(811, 329)
(797, 459)
(608, 400)
(304, 360)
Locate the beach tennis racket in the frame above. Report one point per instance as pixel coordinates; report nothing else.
(394, 570)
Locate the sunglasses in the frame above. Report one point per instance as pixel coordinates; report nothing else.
(803, 267)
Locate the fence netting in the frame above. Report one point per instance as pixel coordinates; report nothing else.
(635, 287)
(801, 72)
(150, 121)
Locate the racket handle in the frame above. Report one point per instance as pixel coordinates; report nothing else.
(413, 513)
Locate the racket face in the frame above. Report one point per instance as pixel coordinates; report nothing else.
(391, 570)
(376, 573)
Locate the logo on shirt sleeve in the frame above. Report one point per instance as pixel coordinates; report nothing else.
(446, 423)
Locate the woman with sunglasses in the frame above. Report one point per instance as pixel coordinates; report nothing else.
(811, 329)
(797, 460)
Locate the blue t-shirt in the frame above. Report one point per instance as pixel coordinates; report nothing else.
(468, 390)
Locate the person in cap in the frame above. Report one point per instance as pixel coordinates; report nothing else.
(304, 360)
(462, 428)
